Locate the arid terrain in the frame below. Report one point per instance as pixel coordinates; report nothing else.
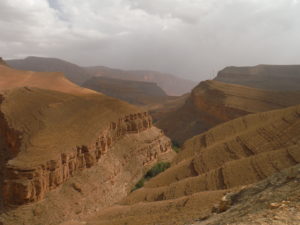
(61, 149)
(212, 102)
(134, 92)
(74, 155)
(271, 77)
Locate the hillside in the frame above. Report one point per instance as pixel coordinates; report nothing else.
(172, 85)
(65, 154)
(74, 73)
(212, 167)
(134, 92)
(11, 78)
(214, 102)
(271, 77)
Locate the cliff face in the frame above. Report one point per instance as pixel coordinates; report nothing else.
(271, 77)
(24, 185)
(213, 102)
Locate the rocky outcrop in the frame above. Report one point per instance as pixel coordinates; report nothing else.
(25, 185)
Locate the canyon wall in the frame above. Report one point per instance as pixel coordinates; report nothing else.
(25, 185)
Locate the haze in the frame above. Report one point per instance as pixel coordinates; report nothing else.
(191, 38)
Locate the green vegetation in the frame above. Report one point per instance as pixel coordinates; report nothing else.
(176, 147)
(154, 171)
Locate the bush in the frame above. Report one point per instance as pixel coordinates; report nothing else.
(176, 147)
(154, 171)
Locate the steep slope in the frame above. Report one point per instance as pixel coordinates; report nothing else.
(272, 77)
(213, 102)
(172, 85)
(73, 72)
(12, 78)
(135, 92)
(222, 160)
(66, 154)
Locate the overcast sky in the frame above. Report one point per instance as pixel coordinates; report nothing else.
(190, 38)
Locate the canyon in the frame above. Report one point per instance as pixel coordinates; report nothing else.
(53, 141)
(212, 102)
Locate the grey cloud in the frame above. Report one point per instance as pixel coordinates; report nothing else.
(192, 38)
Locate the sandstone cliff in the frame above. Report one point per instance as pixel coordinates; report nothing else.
(272, 77)
(213, 102)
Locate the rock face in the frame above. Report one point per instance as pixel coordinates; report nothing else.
(172, 85)
(73, 72)
(134, 92)
(214, 102)
(210, 167)
(272, 77)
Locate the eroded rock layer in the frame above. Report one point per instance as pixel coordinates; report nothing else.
(39, 156)
(228, 157)
(214, 102)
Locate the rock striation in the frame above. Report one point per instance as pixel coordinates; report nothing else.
(210, 167)
(213, 102)
(25, 185)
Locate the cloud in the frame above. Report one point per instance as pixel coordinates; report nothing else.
(191, 38)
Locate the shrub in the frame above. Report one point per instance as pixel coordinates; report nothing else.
(154, 171)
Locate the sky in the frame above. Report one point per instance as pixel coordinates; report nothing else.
(193, 39)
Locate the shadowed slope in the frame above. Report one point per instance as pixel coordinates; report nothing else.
(134, 92)
(213, 102)
(272, 77)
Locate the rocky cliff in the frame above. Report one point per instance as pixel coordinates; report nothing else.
(271, 77)
(214, 102)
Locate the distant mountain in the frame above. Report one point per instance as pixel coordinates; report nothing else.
(11, 78)
(272, 77)
(135, 92)
(72, 71)
(214, 102)
(172, 85)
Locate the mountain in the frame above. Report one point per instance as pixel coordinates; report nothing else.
(65, 153)
(214, 102)
(213, 171)
(11, 78)
(134, 92)
(172, 85)
(74, 73)
(272, 77)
